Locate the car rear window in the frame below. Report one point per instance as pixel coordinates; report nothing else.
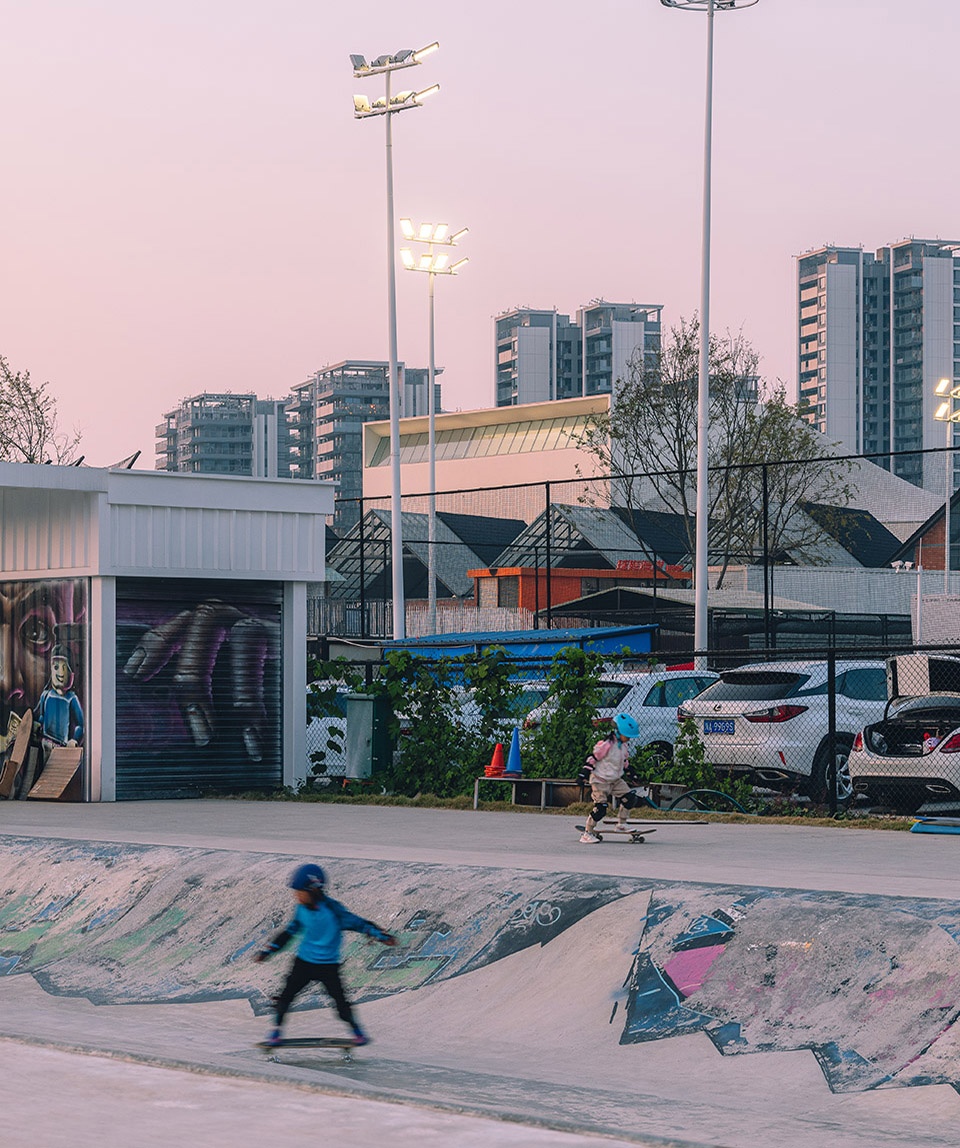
(612, 694)
(753, 685)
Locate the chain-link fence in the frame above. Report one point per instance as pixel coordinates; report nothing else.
(816, 552)
(862, 730)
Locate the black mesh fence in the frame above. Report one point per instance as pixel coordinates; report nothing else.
(854, 730)
(825, 551)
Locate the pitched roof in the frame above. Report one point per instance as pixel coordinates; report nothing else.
(859, 533)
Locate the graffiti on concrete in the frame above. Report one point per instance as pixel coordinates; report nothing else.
(871, 985)
(135, 924)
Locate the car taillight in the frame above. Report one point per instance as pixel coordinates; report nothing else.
(776, 713)
(858, 742)
(951, 745)
(683, 714)
(530, 723)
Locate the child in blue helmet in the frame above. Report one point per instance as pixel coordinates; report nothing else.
(605, 770)
(319, 922)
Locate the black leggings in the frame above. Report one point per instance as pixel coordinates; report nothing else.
(303, 973)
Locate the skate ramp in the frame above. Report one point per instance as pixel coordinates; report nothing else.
(581, 973)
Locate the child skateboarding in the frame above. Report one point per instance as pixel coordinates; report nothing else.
(319, 922)
(604, 770)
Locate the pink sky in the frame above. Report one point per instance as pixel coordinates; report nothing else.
(187, 203)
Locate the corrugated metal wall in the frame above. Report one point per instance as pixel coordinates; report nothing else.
(199, 698)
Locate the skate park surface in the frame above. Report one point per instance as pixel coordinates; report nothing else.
(723, 984)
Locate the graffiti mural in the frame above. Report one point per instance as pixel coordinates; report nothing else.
(871, 985)
(198, 688)
(43, 659)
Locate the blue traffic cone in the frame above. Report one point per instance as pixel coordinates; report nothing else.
(513, 758)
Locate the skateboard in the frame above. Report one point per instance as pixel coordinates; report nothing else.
(344, 1043)
(634, 836)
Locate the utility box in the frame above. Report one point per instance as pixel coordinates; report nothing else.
(367, 746)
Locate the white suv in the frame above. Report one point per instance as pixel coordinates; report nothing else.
(651, 698)
(768, 722)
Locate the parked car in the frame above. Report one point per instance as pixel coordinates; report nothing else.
(768, 722)
(911, 757)
(651, 698)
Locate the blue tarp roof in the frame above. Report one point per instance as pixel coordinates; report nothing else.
(532, 643)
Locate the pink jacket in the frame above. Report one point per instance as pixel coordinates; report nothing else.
(609, 759)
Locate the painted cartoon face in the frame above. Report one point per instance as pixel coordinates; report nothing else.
(30, 615)
(60, 673)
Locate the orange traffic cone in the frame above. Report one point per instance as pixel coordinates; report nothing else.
(495, 768)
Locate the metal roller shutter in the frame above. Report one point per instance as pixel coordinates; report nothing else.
(199, 700)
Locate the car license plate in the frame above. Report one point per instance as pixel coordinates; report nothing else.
(713, 725)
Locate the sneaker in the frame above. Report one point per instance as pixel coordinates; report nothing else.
(588, 838)
(360, 1037)
(274, 1038)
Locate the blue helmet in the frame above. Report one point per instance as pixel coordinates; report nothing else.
(308, 878)
(626, 725)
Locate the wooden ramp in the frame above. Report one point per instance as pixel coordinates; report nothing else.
(60, 779)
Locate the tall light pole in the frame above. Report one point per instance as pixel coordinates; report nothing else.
(703, 381)
(433, 263)
(948, 416)
(387, 106)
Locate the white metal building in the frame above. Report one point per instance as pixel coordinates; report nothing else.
(157, 622)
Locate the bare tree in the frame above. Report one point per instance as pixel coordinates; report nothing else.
(29, 429)
(647, 443)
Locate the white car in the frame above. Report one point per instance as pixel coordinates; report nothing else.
(651, 698)
(768, 722)
(911, 757)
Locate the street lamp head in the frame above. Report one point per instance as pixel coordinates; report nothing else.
(420, 96)
(708, 5)
(455, 267)
(422, 53)
(361, 106)
(405, 58)
(406, 226)
(458, 235)
(406, 256)
(942, 413)
(942, 387)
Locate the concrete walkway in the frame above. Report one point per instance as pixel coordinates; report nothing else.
(721, 984)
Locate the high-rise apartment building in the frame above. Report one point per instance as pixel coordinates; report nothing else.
(542, 355)
(875, 334)
(225, 434)
(326, 414)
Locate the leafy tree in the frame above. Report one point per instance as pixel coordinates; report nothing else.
(648, 444)
(560, 744)
(29, 429)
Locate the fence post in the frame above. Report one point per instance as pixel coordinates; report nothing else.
(765, 533)
(832, 728)
(363, 578)
(546, 488)
(536, 587)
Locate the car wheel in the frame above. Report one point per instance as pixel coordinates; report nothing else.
(661, 752)
(821, 781)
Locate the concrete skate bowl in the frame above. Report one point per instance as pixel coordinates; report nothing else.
(870, 986)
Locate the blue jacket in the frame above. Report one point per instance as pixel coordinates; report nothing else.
(320, 930)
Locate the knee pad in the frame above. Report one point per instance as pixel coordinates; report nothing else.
(630, 800)
(599, 811)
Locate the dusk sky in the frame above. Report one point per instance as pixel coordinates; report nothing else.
(188, 204)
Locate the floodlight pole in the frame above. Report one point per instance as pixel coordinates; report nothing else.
(700, 564)
(433, 235)
(432, 466)
(386, 65)
(396, 502)
(701, 567)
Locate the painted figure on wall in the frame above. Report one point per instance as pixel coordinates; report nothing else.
(43, 642)
(198, 688)
(59, 712)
